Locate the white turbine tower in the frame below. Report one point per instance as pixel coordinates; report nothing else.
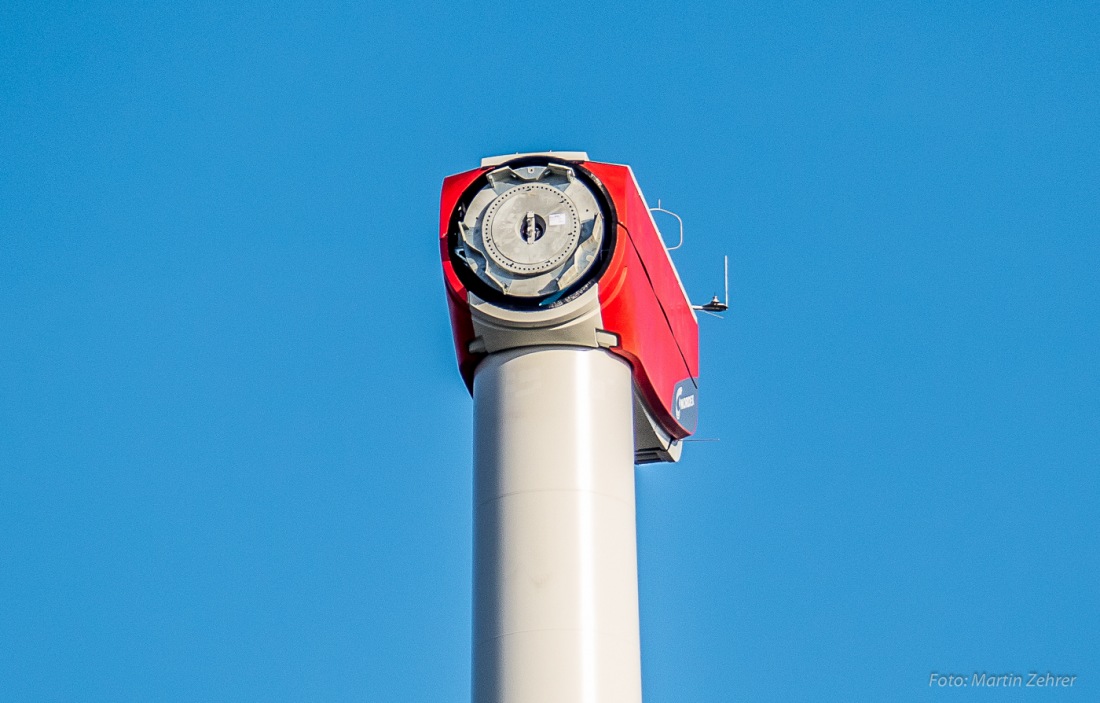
(580, 347)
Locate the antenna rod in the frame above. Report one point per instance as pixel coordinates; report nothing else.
(726, 276)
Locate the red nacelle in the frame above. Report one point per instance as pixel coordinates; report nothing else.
(641, 298)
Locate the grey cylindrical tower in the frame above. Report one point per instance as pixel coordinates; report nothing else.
(555, 552)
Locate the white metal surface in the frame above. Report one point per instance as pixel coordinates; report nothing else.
(564, 155)
(555, 555)
(532, 230)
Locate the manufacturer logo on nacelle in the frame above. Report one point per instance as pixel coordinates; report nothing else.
(683, 405)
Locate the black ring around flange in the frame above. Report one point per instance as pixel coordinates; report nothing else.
(489, 294)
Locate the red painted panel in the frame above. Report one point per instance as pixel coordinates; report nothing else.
(459, 307)
(659, 334)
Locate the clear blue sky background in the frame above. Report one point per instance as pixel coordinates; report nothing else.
(234, 446)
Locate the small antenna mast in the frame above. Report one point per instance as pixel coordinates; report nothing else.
(715, 305)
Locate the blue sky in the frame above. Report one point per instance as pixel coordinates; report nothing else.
(234, 446)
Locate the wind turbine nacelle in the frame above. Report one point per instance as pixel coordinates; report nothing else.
(553, 249)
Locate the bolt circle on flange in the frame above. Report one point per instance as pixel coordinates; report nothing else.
(531, 234)
(531, 228)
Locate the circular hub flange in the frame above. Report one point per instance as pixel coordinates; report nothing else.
(531, 233)
(531, 228)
